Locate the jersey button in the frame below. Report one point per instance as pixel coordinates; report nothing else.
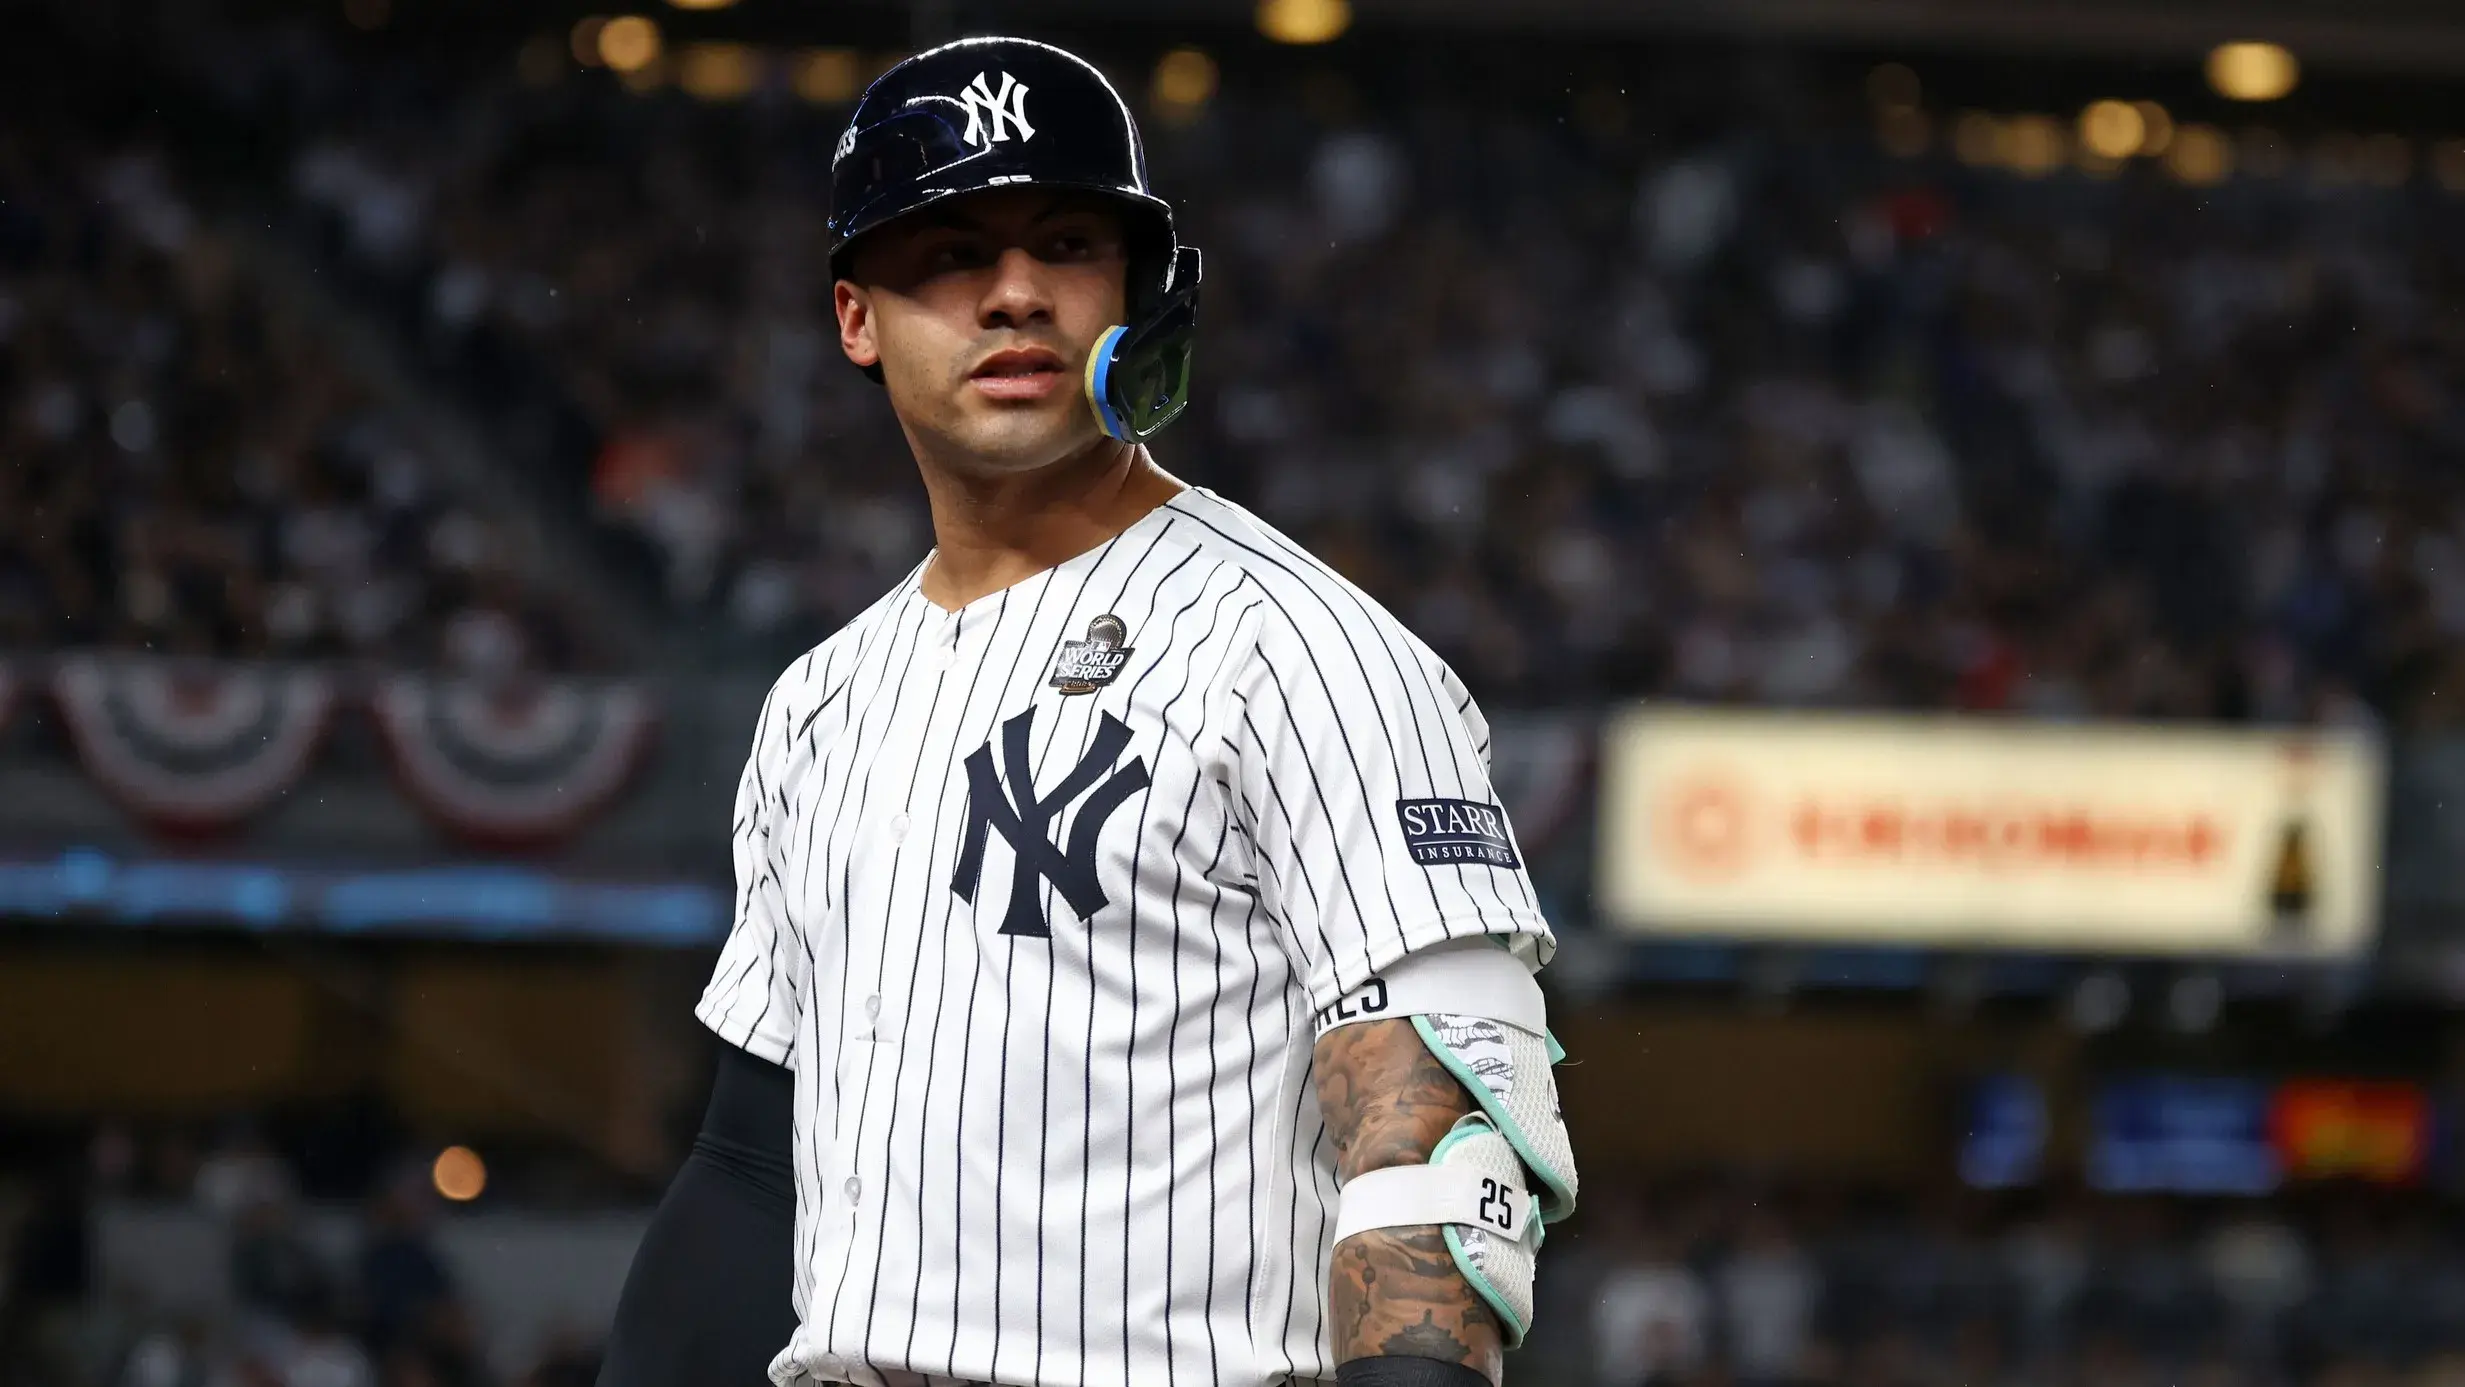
(898, 828)
(854, 1188)
(873, 1005)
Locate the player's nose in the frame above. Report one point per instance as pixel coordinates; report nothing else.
(1018, 294)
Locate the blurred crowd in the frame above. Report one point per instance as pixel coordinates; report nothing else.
(1752, 413)
(191, 469)
(1709, 1285)
(1671, 389)
(1699, 1282)
(300, 1298)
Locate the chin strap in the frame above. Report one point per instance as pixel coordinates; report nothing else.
(1138, 374)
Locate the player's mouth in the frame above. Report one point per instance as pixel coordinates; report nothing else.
(1020, 373)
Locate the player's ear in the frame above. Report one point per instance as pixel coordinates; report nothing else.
(855, 309)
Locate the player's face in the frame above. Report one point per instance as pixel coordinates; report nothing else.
(981, 312)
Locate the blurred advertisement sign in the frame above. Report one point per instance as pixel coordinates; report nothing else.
(2347, 1129)
(2172, 1134)
(1975, 833)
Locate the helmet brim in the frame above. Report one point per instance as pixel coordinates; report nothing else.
(1151, 229)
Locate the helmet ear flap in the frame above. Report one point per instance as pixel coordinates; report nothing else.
(1138, 376)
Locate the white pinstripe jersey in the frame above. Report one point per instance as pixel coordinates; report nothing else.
(1044, 961)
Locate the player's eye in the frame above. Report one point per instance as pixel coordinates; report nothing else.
(956, 254)
(1074, 244)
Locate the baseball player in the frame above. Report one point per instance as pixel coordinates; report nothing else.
(1132, 971)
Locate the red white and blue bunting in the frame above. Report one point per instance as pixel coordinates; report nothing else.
(512, 764)
(191, 746)
(195, 747)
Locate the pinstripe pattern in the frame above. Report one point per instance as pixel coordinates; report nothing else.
(1093, 1158)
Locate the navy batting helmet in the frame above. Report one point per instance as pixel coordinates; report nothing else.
(1000, 112)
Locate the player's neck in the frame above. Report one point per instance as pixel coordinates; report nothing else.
(992, 532)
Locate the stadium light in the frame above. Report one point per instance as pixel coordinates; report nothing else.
(718, 71)
(459, 1174)
(826, 76)
(629, 43)
(1976, 138)
(2252, 71)
(2112, 129)
(2033, 145)
(2157, 126)
(1184, 83)
(585, 39)
(2200, 155)
(1304, 21)
(368, 14)
(702, 4)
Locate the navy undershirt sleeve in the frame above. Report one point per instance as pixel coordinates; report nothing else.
(706, 1303)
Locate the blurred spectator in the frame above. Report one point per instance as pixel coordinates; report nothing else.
(402, 1280)
(274, 1272)
(2365, 1293)
(176, 1355)
(1650, 1317)
(320, 1353)
(2047, 1259)
(242, 1174)
(2261, 1271)
(50, 1277)
(1768, 1290)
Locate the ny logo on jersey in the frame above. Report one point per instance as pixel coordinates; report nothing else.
(1023, 819)
(991, 114)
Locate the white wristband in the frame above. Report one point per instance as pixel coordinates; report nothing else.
(1406, 1196)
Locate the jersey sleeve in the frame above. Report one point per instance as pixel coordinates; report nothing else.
(755, 995)
(1358, 771)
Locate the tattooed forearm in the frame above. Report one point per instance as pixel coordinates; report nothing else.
(1387, 1101)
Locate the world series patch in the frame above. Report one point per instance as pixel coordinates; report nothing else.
(1455, 832)
(1086, 666)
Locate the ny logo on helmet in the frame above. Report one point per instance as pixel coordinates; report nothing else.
(991, 114)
